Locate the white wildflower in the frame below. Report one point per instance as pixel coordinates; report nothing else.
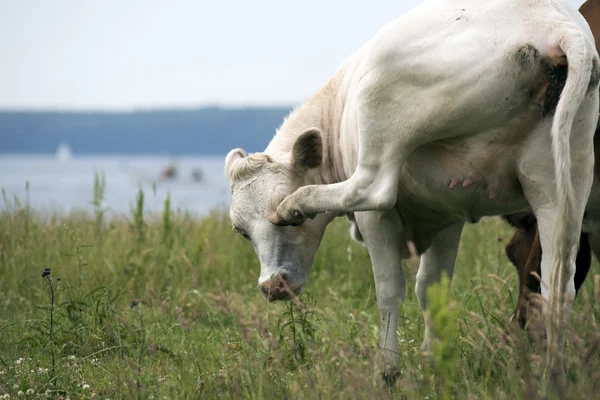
(42, 370)
(20, 361)
(20, 394)
(71, 357)
(85, 386)
(30, 391)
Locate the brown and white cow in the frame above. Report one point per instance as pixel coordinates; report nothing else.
(524, 249)
(456, 110)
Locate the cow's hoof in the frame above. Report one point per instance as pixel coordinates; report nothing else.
(291, 217)
(390, 375)
(289, 212)
(294, 218)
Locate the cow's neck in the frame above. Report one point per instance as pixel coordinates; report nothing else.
(322, 111)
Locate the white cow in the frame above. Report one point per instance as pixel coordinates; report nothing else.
(458, 109)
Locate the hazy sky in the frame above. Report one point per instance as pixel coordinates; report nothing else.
(125, 54)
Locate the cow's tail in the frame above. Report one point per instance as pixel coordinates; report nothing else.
(579, 58)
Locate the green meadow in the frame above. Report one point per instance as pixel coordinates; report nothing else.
(167, 307)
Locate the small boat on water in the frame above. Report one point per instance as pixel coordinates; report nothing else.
(170, 174)
(63, 152)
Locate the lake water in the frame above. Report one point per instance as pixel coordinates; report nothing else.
(61, 186)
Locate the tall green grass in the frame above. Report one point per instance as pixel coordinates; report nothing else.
(150, 307)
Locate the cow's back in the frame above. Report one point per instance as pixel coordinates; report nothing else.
(477, 67)
(482, 56)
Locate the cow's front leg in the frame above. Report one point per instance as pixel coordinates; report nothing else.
(439, 257)
(371, 188)
(382, 234)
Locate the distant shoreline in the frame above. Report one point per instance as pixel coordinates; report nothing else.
(202, 131)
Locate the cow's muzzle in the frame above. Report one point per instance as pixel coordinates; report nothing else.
(278, 288)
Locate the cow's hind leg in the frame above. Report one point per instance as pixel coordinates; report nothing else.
(439, 258)
(555, 319)
(525, 252)
(558, 264)
(381, 232)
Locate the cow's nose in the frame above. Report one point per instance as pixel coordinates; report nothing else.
(277, 288)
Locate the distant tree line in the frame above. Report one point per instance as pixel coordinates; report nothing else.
(204, 131)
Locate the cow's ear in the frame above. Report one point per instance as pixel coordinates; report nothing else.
(233, 155)
(308, 150)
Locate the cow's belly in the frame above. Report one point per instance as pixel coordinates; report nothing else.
(468, 177)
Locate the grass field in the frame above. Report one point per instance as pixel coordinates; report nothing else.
(167, 307)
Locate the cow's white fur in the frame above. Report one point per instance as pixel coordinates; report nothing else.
(440, 95)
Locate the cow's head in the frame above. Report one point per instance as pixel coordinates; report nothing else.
(258, 184)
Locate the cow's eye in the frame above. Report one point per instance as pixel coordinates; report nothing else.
(242, 232)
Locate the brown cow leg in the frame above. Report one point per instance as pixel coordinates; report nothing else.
(528, 282)
(522, 250)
